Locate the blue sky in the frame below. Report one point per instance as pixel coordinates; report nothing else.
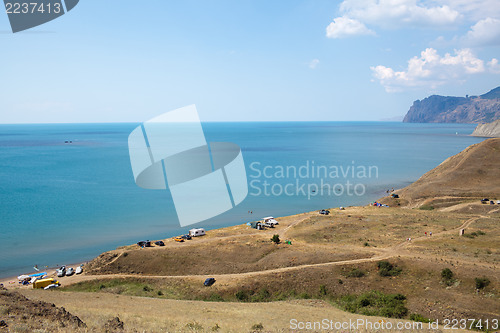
(124, 61)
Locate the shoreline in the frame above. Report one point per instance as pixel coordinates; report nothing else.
(7, 281)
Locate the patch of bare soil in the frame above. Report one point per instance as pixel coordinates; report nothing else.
(18, 313)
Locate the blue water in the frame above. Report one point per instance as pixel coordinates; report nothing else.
(64, 203)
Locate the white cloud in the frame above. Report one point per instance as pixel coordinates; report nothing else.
(484, 32)
(475, 10)
(313, 64)
(494, 66)
(345, 27)
(390, 14)
(432, 70)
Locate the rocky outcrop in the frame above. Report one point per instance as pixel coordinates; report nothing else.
(449, 109)
(490, 130)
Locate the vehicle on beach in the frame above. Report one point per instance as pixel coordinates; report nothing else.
(186, 237)
(44, 283)
(270, 221)
(196, 232)
(178, 239)
(159, 243)
(61, 271)
(79, 270)
(70, 271)
(51, 286)
(324, 212)
(208, 282)
(144, 243)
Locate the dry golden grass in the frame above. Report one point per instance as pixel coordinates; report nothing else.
(163, 315)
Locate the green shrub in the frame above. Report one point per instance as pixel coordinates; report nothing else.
(160, 293)
(304, 295)
(419, 317)
(427, 207)
(388, 269)
(482, 283)
(262, 296)
(257, 327)
(375, 303)
(241, 295)
(322, 290)
(147, 288)
(216, 327)
(276, 239)
(447, 276)
(356, 272)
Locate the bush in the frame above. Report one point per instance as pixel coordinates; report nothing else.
(388, 269)
(147, 288)
(304, 295)
(257, 327)
(356, 272)
(322, 290)
(160, 293)
(375, 303)
(276, 239)
(447, 276)
(194, 326)
(241, 295)
(482, 283)
(419, 317)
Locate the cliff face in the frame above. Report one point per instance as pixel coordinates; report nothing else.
(449, 109)
(491, 130)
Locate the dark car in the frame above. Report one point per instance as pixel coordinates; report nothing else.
(208, 282)
(159, 243)
(186, 237)
(324, 212)
(144, 243)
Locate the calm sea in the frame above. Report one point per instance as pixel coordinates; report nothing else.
(63, 203)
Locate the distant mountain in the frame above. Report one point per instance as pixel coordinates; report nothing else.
(450, 109)
(490, 130)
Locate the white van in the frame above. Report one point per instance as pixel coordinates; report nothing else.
(269, 221)
(196, 232)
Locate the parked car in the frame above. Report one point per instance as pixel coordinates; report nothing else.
(269, 220)
(324, 212)
(186, 237)
(159, 243)
(70, 271)
(179, 239)
(208, 282)
(51, 286)
(61, 271)
(144, 243)
(79, 270)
